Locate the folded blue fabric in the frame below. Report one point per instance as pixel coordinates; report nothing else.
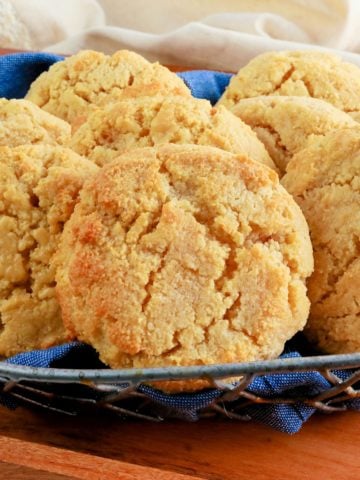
(17, 71)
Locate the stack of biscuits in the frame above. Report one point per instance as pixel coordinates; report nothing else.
(165, 231)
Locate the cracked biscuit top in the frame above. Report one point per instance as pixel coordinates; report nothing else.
(287, 124)
(22, 122)
(155, 120)
(77, 85)
(181, 255)
(324, 179)
(301, 73)
(39, 186)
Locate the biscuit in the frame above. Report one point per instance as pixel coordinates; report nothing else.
(71, 89)
(325, 181)
(148, 121)
(39, 187)
(22, 122)
(298, 73)
(183, 255)
(286, 124)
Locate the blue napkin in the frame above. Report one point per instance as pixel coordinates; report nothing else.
(17, 71)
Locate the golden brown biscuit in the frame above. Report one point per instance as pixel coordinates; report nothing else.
(182, 255)
(77, 85)
(39, 186)
(148, 121)
(22, 122)
(325, 181)
(286, 124)
(301, 73)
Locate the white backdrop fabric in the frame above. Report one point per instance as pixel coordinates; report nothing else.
(215, 34)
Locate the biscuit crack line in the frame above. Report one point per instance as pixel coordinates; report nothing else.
(284, 78)
(151, 280)
(333, 285)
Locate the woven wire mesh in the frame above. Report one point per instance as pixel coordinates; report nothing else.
(73, 391)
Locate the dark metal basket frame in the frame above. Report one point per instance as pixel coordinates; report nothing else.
(112, 389)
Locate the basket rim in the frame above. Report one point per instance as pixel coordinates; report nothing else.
(138, 375)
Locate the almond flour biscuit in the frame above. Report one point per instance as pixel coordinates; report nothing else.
(325, 181)
(301, 73)
(286, 124)
(39, 186)
(182, 255)
(71, 89)
(22, 122)
(155, 120)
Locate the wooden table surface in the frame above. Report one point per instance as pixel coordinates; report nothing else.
(43, 446)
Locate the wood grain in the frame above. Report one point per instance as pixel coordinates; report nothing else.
(80, 466)
(4, 51)
(213, 449)
(19, 472)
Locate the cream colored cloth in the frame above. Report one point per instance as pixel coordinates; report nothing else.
(219, 34)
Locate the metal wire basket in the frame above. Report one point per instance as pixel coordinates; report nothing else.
(73, 391)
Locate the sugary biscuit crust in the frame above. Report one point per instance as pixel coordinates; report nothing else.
(301, 73)
(39, 186)
(285, 125)
(325, 181)
(154, 120)
(22, 123)
(71, 89)
(184, 255)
